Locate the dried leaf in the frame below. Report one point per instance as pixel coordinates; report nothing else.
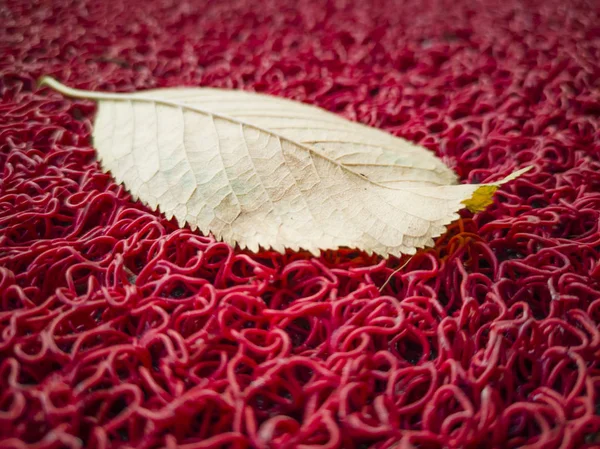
(257, 170)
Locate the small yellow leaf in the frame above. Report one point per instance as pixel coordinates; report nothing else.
(482, 198)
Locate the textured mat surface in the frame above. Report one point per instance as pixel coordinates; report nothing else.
(117, 329)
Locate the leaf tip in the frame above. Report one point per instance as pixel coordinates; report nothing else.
(515, 175)
(483, 195)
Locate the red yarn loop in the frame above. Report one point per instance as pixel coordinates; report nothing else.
(120, 330)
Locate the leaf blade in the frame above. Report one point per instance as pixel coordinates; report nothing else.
(255, 186)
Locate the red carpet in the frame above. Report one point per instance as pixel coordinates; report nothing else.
(117, 329)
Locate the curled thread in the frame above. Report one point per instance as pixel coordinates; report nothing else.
(118, 329)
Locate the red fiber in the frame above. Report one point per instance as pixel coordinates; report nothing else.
(119, 330)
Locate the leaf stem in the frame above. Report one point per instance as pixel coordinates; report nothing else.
(76, 93)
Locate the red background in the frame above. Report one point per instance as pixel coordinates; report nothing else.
(117, 329)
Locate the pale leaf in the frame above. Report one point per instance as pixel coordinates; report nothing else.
(257, 170)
